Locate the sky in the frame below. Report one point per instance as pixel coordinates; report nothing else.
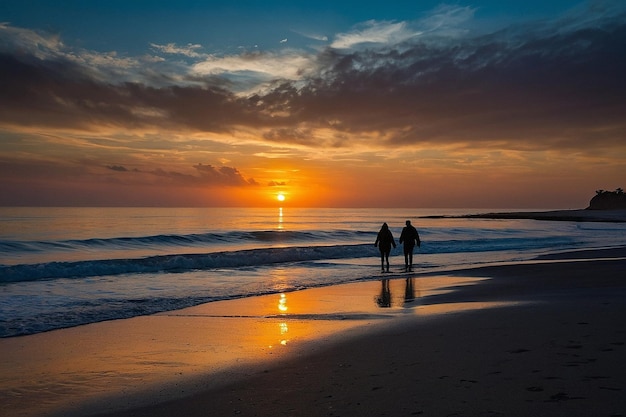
(416, 104)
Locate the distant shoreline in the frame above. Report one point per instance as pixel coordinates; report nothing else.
(581, 215)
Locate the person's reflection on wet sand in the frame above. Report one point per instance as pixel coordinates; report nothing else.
(384, 299)
(409, 290)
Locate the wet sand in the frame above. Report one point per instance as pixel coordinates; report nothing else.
(541, 338)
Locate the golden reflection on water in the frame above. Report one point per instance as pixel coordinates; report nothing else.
(279, 278)
(280, 218)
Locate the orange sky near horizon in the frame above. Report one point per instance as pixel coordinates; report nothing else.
(74, 170)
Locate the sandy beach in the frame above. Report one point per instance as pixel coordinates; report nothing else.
(541, 338)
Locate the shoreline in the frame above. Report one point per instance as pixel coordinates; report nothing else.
(174, 361)
(576, 215)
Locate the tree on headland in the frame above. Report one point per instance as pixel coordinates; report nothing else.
(608, 200)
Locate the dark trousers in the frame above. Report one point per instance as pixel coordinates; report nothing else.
(408, 255)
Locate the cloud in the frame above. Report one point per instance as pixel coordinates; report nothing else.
(189, 50)
(373, 32)
(286, 64)
(207, 175)
(445, 21)
(525, 86)
(313, 36)
(40, 45)
(117, 168)
(223, 175)
(434, 81)
(19, 168)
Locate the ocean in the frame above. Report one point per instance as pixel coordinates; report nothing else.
(64, 267)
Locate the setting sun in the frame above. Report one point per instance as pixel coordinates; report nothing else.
(280, 197)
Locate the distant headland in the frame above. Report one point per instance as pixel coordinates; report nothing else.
(605, 206)
(608, 200)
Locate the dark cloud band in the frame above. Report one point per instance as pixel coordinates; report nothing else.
(555, 83)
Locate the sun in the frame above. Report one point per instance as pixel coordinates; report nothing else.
(280, 197)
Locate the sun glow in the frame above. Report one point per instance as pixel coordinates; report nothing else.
(280, 197)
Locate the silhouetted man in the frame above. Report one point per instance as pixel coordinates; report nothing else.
(410, 238)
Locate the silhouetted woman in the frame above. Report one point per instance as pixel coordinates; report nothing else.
(384, 241)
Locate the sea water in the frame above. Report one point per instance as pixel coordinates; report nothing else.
(63, 267)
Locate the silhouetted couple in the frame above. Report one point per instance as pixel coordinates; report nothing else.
(409, 237)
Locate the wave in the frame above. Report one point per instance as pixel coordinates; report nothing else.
(186, 240)
(253, 257)
(181, 263)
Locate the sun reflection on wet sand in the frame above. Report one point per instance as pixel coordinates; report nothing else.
(282, 303)
(283, 326)
(283, 331)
